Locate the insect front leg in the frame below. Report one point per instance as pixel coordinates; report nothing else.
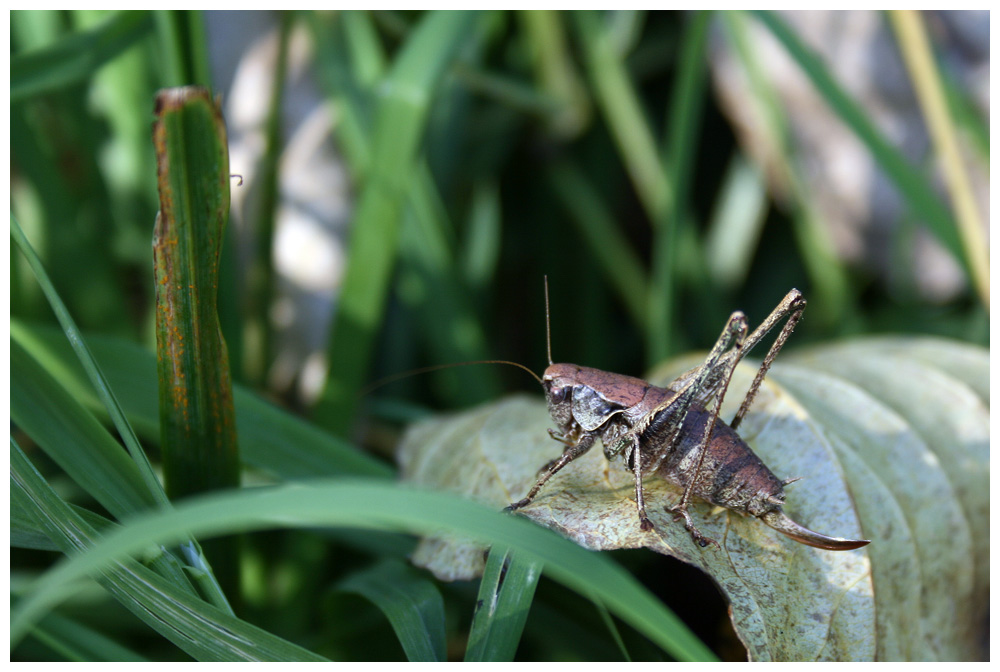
(570, 453)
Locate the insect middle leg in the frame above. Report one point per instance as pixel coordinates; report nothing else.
(633, 460)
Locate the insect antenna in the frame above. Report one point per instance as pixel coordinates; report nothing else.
(371, 387)
(548, 330)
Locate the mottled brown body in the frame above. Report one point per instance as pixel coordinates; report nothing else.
(670, 431)
(731, 475)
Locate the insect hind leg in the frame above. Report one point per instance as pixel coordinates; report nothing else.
(791, 307)
(734, 334)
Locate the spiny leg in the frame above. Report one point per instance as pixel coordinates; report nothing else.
(681, 509)
(703, 382)
(733, 333)
(633, 460)
(571, 452)
(791, 306)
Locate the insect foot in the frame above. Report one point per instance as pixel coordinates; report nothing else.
(682, 513)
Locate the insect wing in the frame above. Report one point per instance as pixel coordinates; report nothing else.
(591, 409)
(682, 381)
(707, 383)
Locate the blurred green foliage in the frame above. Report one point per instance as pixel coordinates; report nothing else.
(487, 150)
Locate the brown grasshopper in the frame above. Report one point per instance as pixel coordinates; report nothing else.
(670, 432)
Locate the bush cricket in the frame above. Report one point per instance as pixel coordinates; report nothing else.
(669, 431)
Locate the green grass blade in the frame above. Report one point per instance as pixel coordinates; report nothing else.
(197, 416)
(736, 222)
(24, 525)
(94, 373)
(367, 54)
(481, 247)
(183, 48)
(412, 603)
(450, 330)
(196, 627)
(71, 221)
(829, 277)
(967, 116)
(348, 99)
(27, 525)
(197, 421)
(506, 592)
(509, 92)
(683, 125)
(613, 629)
(686, 102)
(73, 438)
(555, 72)
(615, 258)
(619, 101)
(354, 62)
(24, 531)
(930, 92)
(122, 91)
(34, 29)
(197, 39)
(387, 506)
(399, 125)
(261, 275)
(912, 184)
(76, 642)
(272, 440)
(76, 56)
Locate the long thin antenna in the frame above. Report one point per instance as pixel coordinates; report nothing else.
(427, 369)
(548, 330)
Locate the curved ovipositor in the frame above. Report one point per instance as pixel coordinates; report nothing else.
(734, 477)
(776, 519)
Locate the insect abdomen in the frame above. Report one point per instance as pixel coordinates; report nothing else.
(731, 474)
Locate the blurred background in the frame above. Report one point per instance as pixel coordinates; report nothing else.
(662, 169)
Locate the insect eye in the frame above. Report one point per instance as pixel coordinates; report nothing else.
(559, 394)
